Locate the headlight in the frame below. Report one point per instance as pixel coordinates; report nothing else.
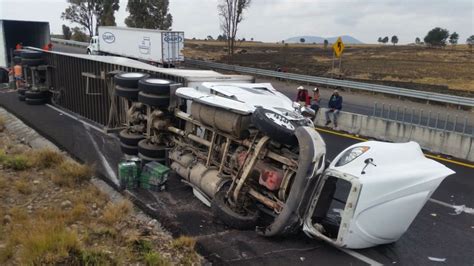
(351, 155)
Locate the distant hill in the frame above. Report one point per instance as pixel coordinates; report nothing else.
(316, 39)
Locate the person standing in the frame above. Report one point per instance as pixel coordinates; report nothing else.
(302, 97)
(315, 101)
(335, 106)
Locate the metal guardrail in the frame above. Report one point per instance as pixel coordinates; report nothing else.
(424, 118)
(427, 96)
(70, 42)
(423, 95)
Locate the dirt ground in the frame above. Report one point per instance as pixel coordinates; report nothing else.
(52, 214)
(449, 69)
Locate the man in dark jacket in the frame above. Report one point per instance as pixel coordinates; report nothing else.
(335, 106)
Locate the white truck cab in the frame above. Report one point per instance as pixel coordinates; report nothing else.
(93, 47)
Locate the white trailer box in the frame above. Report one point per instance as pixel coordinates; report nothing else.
(28, 33)
(158, 46)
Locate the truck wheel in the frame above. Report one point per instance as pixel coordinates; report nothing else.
(154, 100)
(223, 212)
(155, 86)
(21, 91)
(21, 97)
(37, 94)
(36, 101)
(130, 138)
(128, 93)
(32, 62)
(275, 126)
(25, 54)
(146, 148)
(129, 149)
(146, 159)
(129, 80)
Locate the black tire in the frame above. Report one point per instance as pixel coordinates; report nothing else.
(146, 159)
(36, 101)
(21, 97)
(129, 80)
(223, 212)
(25, 54)
(154, 100)
(129, 149)
(21, 91)
(37, 94)
(17, 60)
(275, 131)
(18, 52)
(155, 86)
(128, 93)
(151, 150)
(32, 62)
(129, 138)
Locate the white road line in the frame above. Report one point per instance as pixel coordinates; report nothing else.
(75, 118)
(457, 208)
(359, 256)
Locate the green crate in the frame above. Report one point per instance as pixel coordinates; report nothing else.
(154, 176)
(128, 174)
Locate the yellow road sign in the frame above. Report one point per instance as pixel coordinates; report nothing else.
(338, 47)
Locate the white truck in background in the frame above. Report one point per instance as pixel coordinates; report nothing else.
(151, 46)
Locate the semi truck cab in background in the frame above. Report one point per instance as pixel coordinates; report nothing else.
(151, 46)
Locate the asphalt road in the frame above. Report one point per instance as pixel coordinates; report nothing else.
(363, 103)
(436, 233)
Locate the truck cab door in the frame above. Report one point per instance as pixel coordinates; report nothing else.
(371, 193)
(93, 46)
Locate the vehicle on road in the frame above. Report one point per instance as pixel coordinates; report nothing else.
(254, 157)
(27, 33)
(151, 46)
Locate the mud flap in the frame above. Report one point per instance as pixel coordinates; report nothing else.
(312, 150)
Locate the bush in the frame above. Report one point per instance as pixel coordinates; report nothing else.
(46, 158)
(70, 173)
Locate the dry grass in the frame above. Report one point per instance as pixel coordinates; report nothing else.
(185, 245)
(17, 162)
(46, 158)
(23, 187)
(70, 173)
(116, 212)
(2, 123)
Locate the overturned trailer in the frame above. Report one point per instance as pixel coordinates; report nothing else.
(249, 152)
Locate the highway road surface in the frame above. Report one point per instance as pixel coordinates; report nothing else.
(443, 232)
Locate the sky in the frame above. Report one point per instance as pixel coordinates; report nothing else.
(276, 20)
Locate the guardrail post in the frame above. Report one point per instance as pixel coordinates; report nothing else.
(404, 113)
(389, 111)
(455, 123)
(437, 120)
(429, 119)
(419, 118)
(446, 122)
(375, 109)
(396, 115)
(412, 115)
(464, 126)
(382, 112)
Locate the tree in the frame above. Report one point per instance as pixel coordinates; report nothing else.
(437, 37)
(90, 14)
(78, 35)
(394, 39)
(302, 40)
(81, 12)
(66, 32)
(453, 38)
(231, 14)
(251, 39)
(417, 40)
(385, 40)
(150, 14)
(470, 41)
(210, 38)
(380, 40)
(326, 43)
